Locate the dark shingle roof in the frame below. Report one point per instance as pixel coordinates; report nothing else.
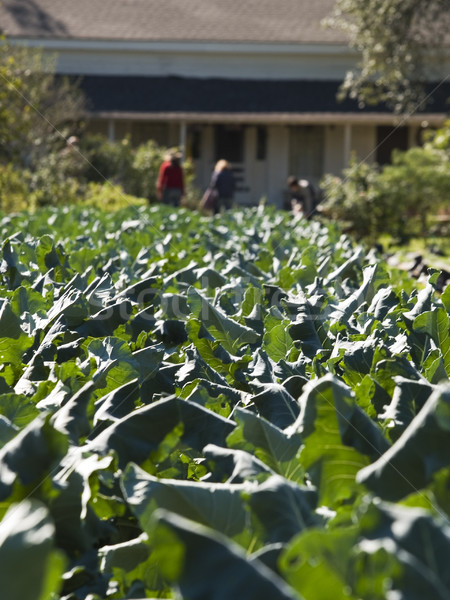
(283, 21)
(196, 95)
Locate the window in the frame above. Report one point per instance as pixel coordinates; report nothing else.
(195, 141)
(388, 139)
(229, 143)
(261, 143)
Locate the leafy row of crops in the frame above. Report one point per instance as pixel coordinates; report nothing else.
(238, 407)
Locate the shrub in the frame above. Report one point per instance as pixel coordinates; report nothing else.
(109, 197)
(418, 185)
(354, 200)
(14, 189)
(105, 160)
(143, 174)
(397, 199)
(56, 180)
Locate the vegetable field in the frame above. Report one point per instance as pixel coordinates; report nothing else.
(209, 409)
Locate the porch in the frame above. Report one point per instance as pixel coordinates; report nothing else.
(264, 155)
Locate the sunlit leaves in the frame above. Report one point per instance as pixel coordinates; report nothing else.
(207, 408)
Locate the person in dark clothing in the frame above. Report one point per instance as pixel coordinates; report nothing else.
(170, 183)
(302, 196)
(222, 181)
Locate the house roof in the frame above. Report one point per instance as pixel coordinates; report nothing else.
(270, 21)
(190, 98)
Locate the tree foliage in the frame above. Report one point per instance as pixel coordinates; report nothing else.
(396, 40)
(38, 110)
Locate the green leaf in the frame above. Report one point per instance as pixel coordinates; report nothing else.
(304, 328)
(436, 323)
(197, 368)
(217, 505)
(282, 509)
(46, 254)
(78, 528)
(412, 539)
(20, 410)
(118, 403)
(434, 368)
(337, 436)
(13, 341)
(140, 434)
(27, 541)
(253, 297)
(114, 361)
(185, 551)
(268, 443)
(373, 278)
(217, 398)
(277, 342)
(234, 466)
(72, 305)
(408, 399)
(318, 561)
(445, 298)
(30, 456)
(129, 562)
(72, 418)
(212, 352)
(7, 430)
(275, 404)
(406, 468)
(231, 334)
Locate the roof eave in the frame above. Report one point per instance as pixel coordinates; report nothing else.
(422, 119)
(222, 46)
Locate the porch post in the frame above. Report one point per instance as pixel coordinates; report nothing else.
(183, 134)
(347, 143)
(111, 130)
(412, 136)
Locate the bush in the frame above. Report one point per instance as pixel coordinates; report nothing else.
(143, 174)
(55, 180)
(134, 169)
(144, 171)
(109, 197)
(418, 185)
(101, 173)
(354, 200)
(14, 189)
(397, 200)
(105, 160)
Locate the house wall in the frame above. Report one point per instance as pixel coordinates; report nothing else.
(362, 145)
(333, 160)
(191, 59)
(364, 142)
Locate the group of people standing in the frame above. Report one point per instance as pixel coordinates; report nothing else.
(170, 183)
(301, 194)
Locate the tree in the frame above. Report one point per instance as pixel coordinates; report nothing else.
(397, 41)
(38, 110)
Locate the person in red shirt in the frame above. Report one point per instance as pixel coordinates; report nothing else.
(170, 183)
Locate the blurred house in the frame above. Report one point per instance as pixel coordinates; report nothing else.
(252, 81)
